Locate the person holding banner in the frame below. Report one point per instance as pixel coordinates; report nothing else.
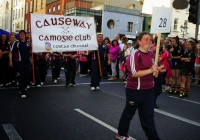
(22, 51)
(98, 62)
(41, 67)
(56, 66)
(70, 67)
(140, 89)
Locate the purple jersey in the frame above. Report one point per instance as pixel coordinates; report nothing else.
(140, 61)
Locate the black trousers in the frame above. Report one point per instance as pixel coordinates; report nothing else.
(4, 72)
(70, 71)
(23, 72)
(56, 68)
(83, 67)
(95, 77)
(158, 86)
(143, 100)
(41, 67)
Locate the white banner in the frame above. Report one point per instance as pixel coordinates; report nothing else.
(56, 33)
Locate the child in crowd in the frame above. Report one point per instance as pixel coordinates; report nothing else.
(165, 61)
(187, 68)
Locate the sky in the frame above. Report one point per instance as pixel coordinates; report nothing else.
(149, 4)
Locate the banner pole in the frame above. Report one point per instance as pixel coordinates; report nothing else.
(157, 50)
(99, 61)
(32, 57)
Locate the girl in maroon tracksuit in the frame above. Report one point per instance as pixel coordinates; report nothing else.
(140, 89)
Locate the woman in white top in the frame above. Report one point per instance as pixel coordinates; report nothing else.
(129, 48)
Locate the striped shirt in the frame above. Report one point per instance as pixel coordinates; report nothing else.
(139, 61)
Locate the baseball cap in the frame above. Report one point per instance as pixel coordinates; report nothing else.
(130, 41)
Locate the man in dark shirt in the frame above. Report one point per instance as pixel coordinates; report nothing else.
(70, 67)
(21, 51)
(103, 54)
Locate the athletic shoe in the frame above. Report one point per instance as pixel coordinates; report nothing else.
(163, 89)
(23, 96)
(38, 85)
(82, 75)
(181, 95)
(73, 85)
(176, 92)
(170, 92)
(55, 82)
(58, 78)
(167, 88)
(97, 88)
(122, 137)
(70, 84)
(17, 83)
(92, 88)
(27, 87)
(42, 83)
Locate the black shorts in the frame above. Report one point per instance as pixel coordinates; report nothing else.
(176, 65)
(186, 71)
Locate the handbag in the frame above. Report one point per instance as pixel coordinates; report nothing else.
(113, 61)
(83, 59)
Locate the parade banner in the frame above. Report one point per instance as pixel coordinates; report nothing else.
(56, 33)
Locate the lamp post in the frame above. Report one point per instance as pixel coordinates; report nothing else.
(184, 29)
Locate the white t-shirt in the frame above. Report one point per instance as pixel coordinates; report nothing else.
(128, 51)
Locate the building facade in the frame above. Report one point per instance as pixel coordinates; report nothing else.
(39, 6)
(18, 15)
(6, 15)
(55, 7)
(0, 15)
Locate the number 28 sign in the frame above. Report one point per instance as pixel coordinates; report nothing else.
(161, 20)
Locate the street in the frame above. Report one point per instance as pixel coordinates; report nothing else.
(57, 112)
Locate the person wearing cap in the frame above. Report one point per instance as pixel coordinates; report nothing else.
(129, 48)
(21, 51)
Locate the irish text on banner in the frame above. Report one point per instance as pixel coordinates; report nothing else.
(56, 33)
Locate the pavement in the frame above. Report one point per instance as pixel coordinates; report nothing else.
(57, 112)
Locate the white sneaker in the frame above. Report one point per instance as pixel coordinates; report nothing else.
(97, 88)
(38, 85)
(92, 88)
(23, 96)
(58, 78)
(27, 87)
(55, 81)
(42, 83)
